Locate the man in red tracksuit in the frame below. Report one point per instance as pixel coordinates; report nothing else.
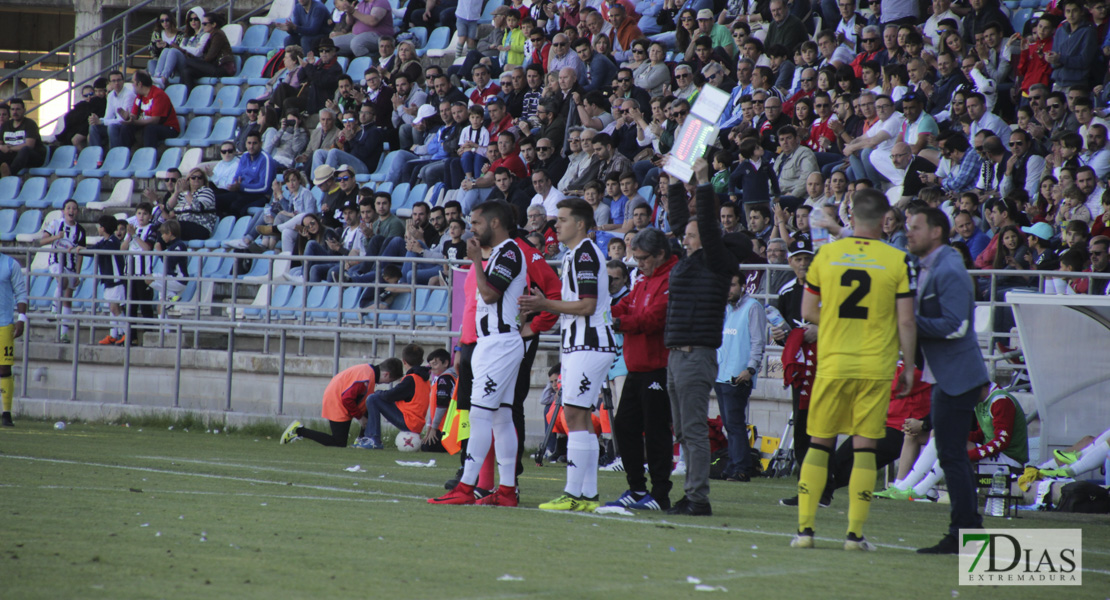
(644, 414)
(541, 280)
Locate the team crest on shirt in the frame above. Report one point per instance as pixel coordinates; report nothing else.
(585, 258)
(509, 255)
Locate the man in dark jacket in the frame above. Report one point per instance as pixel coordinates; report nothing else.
(695, 321)
(644, 417)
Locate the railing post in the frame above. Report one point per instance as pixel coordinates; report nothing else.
(281, 375)
(231, 365)
(176, 370)
(123, 44)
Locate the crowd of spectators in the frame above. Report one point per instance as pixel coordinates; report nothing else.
(1000, 129)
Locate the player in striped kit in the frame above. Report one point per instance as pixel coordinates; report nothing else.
(497, 355)
(589, 347)
(65, 235)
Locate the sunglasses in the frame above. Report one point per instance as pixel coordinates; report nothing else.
(252, 111)
(348, 120)
(343, 178)
(543, 149)
(196, 178)
(164, 20)
(194, 19)
(623, 80)
(681, 113)
(681, 75)
(808, 78)
(869, 40)
(89, 95)
(171, 180)
(1054, 106)
(559, 44)
(1036, 97)
(208, 23)
(227, 151)
(637, 51)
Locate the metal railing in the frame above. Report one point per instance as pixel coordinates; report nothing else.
(120, 28)
(209, 312)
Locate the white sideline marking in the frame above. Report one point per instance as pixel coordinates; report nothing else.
(308, 473)
(324, 488)
(200, 493)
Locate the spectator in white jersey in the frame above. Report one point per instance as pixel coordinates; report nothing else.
(65, 235)
(142, 235)
(588, 348)
(497, 354)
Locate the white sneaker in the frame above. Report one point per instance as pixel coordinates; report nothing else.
(237, 244)
(680, 468)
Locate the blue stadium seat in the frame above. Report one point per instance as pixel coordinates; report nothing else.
(215, 80)
(219, 233)
(327, 310)
(278, 297)
(254, 36)
(200, 97)
(222, 131)
(293, 305)
(259, 268)
(276, 41)
(252, 69)
(1019, 19)
(29, 222)
(41, 292)
(171, 159)
(400, 194)
(62, 158)
(198, 129)
(87, 191)
(177, 93)
(248, 95)
(237, 230)
(357, 67)
(60, 191)
(383, 171)
(115, 160)
(227, 97)
(88, 159)
(420, 37)
(438, 40)
(7, 222)
(487, 12)
(9, 189)
(438, 302)
(33, 190)
(416, 194)
(141, 162)
(351, 307)
(397, 303)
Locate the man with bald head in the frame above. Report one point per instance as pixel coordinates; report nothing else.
(907, 175)
(807, 86)
(562, 56)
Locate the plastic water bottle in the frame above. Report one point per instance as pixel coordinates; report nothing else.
(775, 318)
(996, 506)
(818, 233)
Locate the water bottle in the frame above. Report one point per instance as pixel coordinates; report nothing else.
(775, 318)
(818, 233)
(996, 505)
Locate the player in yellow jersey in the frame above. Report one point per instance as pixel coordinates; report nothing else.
(860, 293)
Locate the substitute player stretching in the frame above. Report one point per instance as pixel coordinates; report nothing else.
(497, 354)
(589, 348)
(859, 292)
(13, 295)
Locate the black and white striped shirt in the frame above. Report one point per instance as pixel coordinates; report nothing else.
(141, 264)
(506, 273)
(72, 235)
(585, 276)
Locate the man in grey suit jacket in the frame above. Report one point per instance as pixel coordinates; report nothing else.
(953, 363)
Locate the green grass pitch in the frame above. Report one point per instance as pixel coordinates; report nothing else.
(107, 511)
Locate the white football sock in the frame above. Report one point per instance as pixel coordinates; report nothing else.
(1090, 458)
(578, 455)
(929, 481)
(921, 467)
(481, 434)
(589, 470)
(504, 444)
(66, 310)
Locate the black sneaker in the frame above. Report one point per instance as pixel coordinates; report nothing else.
(480, 493)
(692, 509)
(946, 545)
(743, 477)
(454, 481)
(791, 501)
(6, 420)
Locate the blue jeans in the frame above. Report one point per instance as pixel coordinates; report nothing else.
(168, 63)
(379, 246)
(334, 158)
(123, 134)
(423, 271)
(376, 408)
(318, 271)
(733, 403)
(952, 417)
(473, 197)
(400, 161)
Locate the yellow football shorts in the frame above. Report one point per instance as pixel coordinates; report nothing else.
(848, 406)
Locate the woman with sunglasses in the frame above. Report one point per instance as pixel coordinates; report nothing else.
(638, 54)
(165, 35)
(653, 75)
(217, 59)
(687, 29)
(195, 205)
(192, 43)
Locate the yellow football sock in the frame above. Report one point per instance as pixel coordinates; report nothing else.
(860, 487)
(7, 392)
(811, 484)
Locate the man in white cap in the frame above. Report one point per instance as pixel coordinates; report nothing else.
(414, 151)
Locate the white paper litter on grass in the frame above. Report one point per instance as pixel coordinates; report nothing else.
(614, 510)
(692, 579)
(505, 577)
(416, 463)
(710, 588)
(355, 469)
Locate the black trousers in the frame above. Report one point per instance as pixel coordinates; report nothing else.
(801, 436)
(888, 450)
(337, 438)
(952, 418)
(523, 384)
(464, 387)
(140, 297)
(642, 427)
